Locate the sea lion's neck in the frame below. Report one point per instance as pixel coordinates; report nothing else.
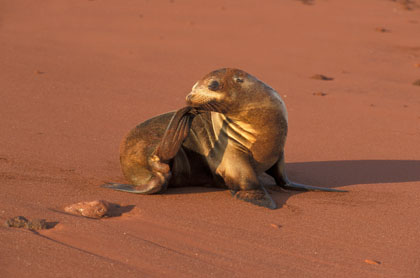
(236, 131)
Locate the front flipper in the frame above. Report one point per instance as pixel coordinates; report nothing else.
(303, 187)
(239, 176)
(278, 172)
(259, 197)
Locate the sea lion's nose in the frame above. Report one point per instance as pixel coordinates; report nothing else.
(189, 98)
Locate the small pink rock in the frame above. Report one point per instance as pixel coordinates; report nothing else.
(94, 209)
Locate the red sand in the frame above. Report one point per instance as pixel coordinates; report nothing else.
(77, 75)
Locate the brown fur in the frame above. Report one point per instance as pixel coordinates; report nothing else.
(233, 129)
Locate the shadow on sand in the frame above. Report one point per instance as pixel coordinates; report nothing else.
(334, 174)
(352, 172)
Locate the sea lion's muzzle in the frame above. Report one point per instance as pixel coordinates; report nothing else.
(189, 98)
(199, 97)
(205, 100)
(196, 99)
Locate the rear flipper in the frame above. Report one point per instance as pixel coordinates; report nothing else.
(127, 188)
(158, 181)
(160, 174)
(175, 134)
(278, 172)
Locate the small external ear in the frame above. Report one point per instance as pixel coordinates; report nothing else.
(238, 79)
(214, 85)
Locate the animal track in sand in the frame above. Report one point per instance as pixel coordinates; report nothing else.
(24, 223)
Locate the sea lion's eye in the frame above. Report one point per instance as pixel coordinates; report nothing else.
(214, 85)
(239, 80)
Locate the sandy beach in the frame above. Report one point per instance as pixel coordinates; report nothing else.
(76, 76)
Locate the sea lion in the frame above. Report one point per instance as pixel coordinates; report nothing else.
(233, 129)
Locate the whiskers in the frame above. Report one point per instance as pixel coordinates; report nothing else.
(213, 106)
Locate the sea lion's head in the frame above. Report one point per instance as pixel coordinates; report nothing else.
(223, 91)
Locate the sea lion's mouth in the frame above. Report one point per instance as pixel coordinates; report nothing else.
(210, 106)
